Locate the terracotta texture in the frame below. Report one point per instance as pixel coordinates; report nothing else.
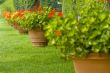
(20, 29)
(108, 1)
(37, 37)
(93, 64)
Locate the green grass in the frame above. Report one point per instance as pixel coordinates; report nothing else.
(18, 56)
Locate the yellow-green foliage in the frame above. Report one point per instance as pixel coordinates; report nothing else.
(67, 6)
(7, 6)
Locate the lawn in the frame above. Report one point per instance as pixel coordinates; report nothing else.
(18, 56)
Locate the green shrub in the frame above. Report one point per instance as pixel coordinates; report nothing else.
(67, 6)
(88, 33)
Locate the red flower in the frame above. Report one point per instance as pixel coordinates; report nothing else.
(60, 14)
(51, 14)
(20, 13)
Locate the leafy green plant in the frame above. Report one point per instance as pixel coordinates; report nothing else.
(2, 1)
(89, 33)
(11, 17)
(67, 6)
(60, 32)
(36, 18)
(7, 6)
(31, 19)
(24, 4)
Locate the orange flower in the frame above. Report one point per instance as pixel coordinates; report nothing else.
(35, 7)
(7, 15)
(30, 11)
(51, 14)
(39, 8)
(20, 13)
(60, 14)
(58, 32)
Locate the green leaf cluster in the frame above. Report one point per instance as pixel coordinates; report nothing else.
(34, 19)
(84, 33)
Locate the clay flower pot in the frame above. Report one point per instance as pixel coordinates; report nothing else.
(37, 37)
(108, 1)
(20, 29)
(94, 63)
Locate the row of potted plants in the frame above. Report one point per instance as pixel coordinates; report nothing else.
(82, 35)
(32, 21)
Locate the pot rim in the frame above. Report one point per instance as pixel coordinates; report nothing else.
(93, 56)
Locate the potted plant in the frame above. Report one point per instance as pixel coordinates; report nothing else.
(34, 21)
(12, 18)
(86, 38)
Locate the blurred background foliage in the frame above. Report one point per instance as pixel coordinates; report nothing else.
(7, 5)
(67, 5)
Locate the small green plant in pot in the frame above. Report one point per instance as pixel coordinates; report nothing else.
(86, 38)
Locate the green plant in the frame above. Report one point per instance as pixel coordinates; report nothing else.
(12, 16)
(24, 4)
(89, 33)
(36, 18)
(7, 6)
(67, 6)
(2, 1)
(60, 32)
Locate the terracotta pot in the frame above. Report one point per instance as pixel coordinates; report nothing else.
(37, 37)
(94, 63)
(15, 26)
(20, 29)
(108, 1)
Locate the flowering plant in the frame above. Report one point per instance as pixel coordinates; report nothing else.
(89, 33)
(12, 16)
(60, 32)
(31, 19)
